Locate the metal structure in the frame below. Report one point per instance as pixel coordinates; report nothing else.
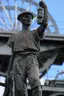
(52, 46)
(10, 10)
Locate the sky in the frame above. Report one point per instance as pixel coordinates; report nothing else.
(56, 9)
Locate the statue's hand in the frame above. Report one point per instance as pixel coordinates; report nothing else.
(42, 4)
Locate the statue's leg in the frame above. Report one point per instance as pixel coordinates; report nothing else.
(37, 91)
(20, 76)
(33, 75)
(20, 87)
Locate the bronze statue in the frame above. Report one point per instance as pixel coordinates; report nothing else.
(25, 49)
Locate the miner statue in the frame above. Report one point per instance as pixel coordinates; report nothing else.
(26, 47)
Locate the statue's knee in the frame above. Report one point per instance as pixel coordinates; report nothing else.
(38, 88)
(37, 91)
(34, 82)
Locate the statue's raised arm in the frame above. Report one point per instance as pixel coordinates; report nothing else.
(42, 17)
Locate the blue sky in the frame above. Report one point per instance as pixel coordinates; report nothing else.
(56, 9)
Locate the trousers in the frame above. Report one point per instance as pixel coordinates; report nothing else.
(26, 67)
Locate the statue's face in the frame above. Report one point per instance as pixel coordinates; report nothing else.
(26, 19)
